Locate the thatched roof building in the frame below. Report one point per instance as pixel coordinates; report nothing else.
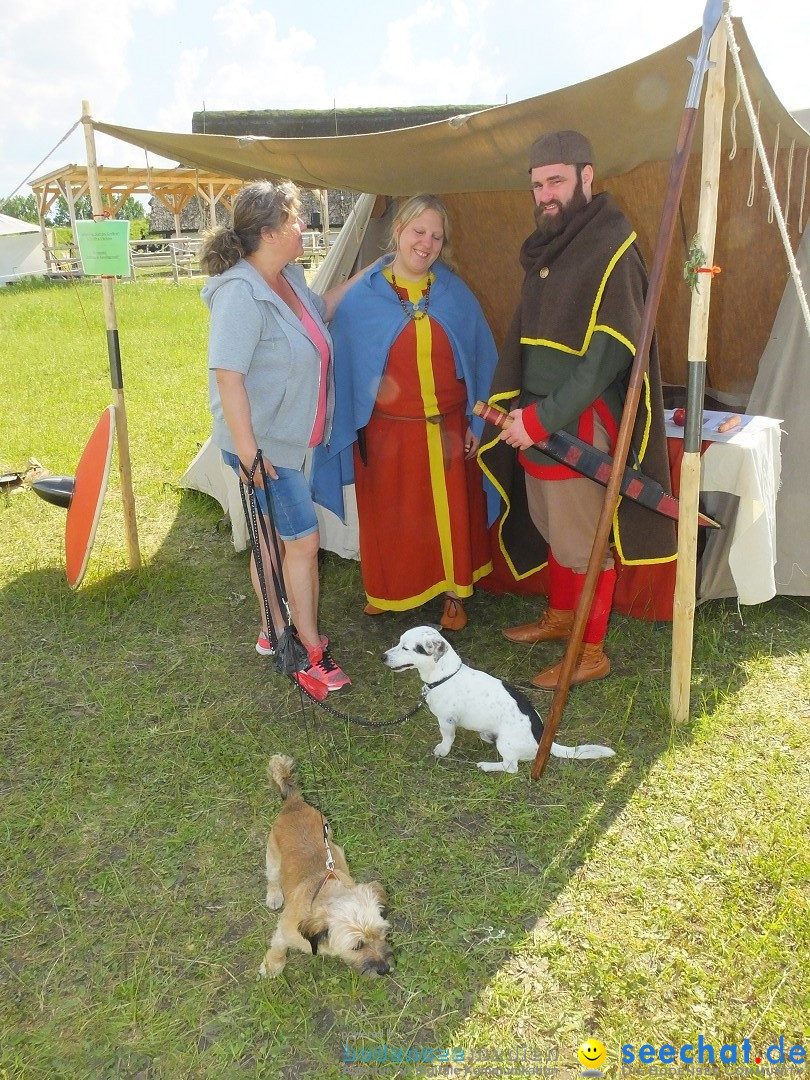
(319, 123)
(305, 123)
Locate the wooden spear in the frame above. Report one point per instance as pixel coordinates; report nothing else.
(683, 611)
(114, 352)
(680, 160)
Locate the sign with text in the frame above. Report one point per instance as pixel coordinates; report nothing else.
(104, 247)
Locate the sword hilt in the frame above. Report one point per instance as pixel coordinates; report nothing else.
(497, 417)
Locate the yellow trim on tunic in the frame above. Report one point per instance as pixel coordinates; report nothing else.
(441, 501)
(592, 326)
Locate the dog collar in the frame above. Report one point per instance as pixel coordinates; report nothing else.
(432, 685)
(330, 875)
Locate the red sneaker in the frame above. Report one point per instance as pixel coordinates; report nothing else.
(324, 670)
(314, 688)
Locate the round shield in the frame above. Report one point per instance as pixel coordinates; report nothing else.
(90, 486)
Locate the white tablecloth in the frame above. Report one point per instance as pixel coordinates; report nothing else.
(740, 474)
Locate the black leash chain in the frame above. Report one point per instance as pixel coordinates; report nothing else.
(257, 527)
(375, 724)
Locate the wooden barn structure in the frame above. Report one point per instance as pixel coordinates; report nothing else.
(174, 189)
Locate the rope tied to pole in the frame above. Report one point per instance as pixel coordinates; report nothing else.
(734, 52)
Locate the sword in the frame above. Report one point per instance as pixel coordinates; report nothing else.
(596, 465)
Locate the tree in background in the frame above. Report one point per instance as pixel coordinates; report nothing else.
(22, 207)
(84, 211)
(131, 210)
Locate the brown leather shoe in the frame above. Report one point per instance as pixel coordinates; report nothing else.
(454, 617)
(370, 609)
(555, 625)
(593, 664)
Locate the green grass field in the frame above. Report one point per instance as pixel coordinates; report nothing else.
(649, 899)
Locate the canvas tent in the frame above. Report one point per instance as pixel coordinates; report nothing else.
(477, 163)
(21, 253)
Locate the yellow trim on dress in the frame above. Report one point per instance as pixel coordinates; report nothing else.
(462, 591)
(441, 501)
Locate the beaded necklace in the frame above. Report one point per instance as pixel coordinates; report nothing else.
(418, 310)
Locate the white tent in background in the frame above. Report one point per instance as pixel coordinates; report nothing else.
(21, 253)
(782, 388)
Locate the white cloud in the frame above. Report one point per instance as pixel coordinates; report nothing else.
(420, 65)
(60, 60)
(50, 62)
(248, 65)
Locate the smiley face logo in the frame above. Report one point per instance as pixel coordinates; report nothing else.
(592, 1054)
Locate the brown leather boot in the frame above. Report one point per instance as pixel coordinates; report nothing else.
(555, 625)
(454, 617)
(592, 665)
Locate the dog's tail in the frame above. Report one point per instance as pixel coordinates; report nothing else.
(281, 773)
(583, 752)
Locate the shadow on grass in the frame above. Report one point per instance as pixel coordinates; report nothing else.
(138, 720)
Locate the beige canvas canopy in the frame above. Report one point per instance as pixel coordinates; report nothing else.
(631, 116)
(478, 164)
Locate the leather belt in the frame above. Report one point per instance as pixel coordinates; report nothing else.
(436, 418)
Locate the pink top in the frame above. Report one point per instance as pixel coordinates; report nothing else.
(319, 341)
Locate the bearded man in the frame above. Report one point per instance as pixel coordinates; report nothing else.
(565, 364)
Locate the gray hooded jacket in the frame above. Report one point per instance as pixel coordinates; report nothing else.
(254, 332)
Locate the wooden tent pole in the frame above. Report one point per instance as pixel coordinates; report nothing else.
(113, 349)
(683, 611)
(677, 174)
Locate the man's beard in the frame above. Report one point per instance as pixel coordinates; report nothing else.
(550, 226)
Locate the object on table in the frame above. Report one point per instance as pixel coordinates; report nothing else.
(729, 423)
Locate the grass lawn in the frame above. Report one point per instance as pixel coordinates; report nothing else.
(653, 898)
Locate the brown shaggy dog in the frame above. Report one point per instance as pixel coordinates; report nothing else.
(324, 910)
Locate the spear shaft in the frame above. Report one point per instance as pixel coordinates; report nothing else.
(677, 174)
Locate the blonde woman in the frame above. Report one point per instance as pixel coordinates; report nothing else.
(413, 354)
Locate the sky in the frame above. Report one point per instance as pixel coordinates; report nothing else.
(152, 63)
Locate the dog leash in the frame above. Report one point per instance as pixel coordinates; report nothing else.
(330, 874)
(290, 655)
(360, 722)
(294, 658)
(387, 723)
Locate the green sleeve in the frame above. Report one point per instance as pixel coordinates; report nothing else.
(579, 381)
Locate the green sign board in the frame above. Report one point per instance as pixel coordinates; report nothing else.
(104, 247)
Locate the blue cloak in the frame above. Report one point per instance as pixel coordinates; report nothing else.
(367, 322)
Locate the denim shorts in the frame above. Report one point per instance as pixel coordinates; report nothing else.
(293, 509)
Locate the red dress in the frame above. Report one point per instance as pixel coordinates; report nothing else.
(420, 505)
